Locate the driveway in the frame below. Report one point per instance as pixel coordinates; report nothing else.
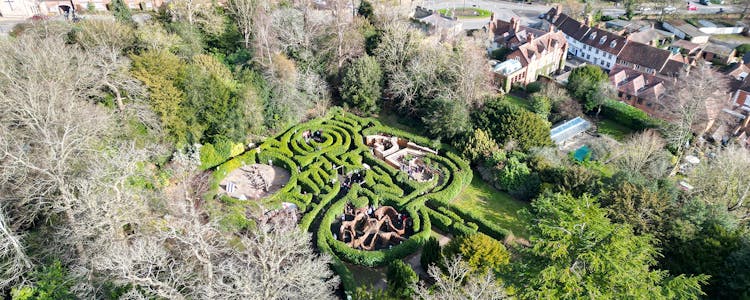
(503, 10)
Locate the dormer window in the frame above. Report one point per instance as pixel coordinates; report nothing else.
(592, 36)
(602, 40)
(613, 44)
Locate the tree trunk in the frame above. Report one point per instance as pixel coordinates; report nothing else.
(118, 96)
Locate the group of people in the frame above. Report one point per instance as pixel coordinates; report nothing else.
(355, 177)
(316, 136)
(412, 170)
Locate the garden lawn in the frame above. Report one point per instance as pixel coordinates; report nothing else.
(518, 101)
(614, 129)
(467, 12)
(493, 205)
(392, 119)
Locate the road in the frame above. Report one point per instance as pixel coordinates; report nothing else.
(615, 11)
(503, 10)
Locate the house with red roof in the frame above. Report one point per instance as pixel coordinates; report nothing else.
(533, 52)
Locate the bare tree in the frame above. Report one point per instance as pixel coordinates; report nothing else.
(48, 127)
(458, 282)
(188, 10)
(469, 69)
(13, 259)
(254, 20)
(644, 154)
(108, 39)
(691, 105)
(724, 180)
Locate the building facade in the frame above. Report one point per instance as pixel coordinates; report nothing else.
(606, 49)
(532, 52)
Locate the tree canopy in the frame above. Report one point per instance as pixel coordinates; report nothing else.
(509, 123)
(578, 252)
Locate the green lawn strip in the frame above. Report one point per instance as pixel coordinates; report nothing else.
(466, 12)
(614, 129)
(494, 205)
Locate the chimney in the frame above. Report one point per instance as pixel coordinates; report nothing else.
(558, 10)
(529, 37)
(552, 27)
(515, 24)
(587, 19)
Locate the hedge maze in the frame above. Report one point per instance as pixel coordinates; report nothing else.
(318, 164)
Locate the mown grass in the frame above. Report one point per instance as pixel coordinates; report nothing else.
(495, 206)
(467, 12)
(615, 130)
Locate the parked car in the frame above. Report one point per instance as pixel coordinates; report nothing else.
(692, 7)
(670, 9)
(705, 2)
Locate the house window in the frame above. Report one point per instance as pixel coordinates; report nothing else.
(602, 40)
(588, 56)
(592, 36)
(619, 94)
(640, 101)
(612, 44)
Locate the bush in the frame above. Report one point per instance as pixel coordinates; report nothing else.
(401, 278)
(541, 105)
(480, 251)
(742, 49)
(534, 87)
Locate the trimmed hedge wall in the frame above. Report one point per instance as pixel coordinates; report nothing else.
(627, 115)
(313, 186)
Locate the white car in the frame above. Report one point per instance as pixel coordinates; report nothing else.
(670, 9)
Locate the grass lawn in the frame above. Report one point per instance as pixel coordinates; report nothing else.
(467, 12)
(392, 119)
(518, 101)
(493, 205)
(614, 129)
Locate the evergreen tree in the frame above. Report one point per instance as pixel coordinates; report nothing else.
(401, 279)
(361, 85)
(121, 11)
(430, 253)
(507, 122)
(578, 253)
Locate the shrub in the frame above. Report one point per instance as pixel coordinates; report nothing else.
(534, 87)
(480, 251)
(541, 105)
(401, 278)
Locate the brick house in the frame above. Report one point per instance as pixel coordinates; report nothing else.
(606, 49)
(642, 90)
(533, 52)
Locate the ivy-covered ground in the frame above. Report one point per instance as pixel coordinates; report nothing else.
(316, 190)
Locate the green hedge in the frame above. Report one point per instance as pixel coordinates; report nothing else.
(627, 115)
(441, 221)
